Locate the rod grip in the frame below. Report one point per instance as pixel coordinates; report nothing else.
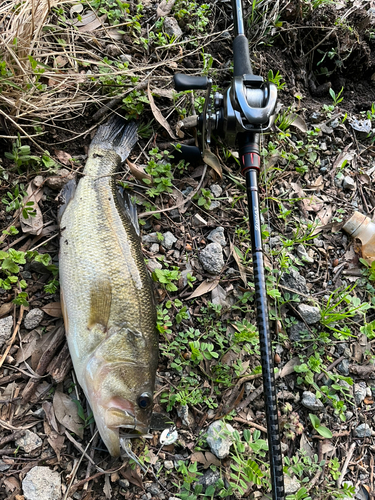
(186, 82)
(191, 154)
(241, 56)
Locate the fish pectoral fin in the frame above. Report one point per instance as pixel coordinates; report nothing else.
(128, 207)
(100, 304)
(66, 196)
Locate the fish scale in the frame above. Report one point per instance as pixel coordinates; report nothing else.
(108, 304)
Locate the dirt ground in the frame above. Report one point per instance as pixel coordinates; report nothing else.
(318, 165)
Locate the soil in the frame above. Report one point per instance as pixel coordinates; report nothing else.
(315, 50)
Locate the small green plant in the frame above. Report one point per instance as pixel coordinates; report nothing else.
(160, 170)
(166, 277)
(276, 78)
(336, 98)
(204, 198)
(21, 156)
(86, 419)
(323, 431)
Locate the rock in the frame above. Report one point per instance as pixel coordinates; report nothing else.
(217, 236)
(6, 327)
(153, 264)
(41, 483)
(168, 464)
(185, 415)
(214, 205)
(323, 146)
(173, 498)
(310, 314)
(38, 180)
(348, 183)
(361, 127)
(310, 401)
(4, 466)
(169, 240)
(316, 117)
(299, 331)
(318, 243)
(29, 441)
(38, 267)
(349, 415)
(33, 318)
(343, 367)
(171, 27)
(291, 484)
(150, 238)
(126, 58)
(302, 254)
(124, 483)
(219, 438)
(154, 490)
(359, 392)
(58, 181)
(294, 281)
(154, 248)
(209, 478)
(216, 190)
(334, 123)
(113, 50)
(363, 430)
(212, 258)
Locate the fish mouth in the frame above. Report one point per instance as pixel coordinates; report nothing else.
(124, 419)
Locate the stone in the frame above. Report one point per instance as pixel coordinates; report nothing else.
(348, 183)
(349, 415)
(199, 221)
(343, 367)
(169, 240)
(33, 318)
(211, 258)
(153, 264)
(316, 117)
(57, 182)
(302, 254)
(185, 415)
(154, 490)
(323, 146)
(310, 401)
(217, 236)
(4, 466)
(359, 392)
(214, 205)
(299, 331)
(124, 483)
(219, 438)
(209, 478)
(361, 127)
(150, 238)
(363, 430)
(310, 314)
(42, 483)
(171, 27)
(126, 58)
(6, 327)
(291, 484)
(154, 248)
(294, 281)
(168, 464)
(29, 441)
(216, 190)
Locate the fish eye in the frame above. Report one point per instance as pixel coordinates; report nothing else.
(145, 400)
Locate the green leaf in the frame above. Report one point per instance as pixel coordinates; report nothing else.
(314, 420)
(324, 431)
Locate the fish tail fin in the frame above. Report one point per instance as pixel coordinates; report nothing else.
(116, 135)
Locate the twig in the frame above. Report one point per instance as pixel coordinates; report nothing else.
(13, 337)
(329, 367)
(11, 437)
(250, 424)
(346, 464)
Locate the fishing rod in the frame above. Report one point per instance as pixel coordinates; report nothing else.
(239, 116)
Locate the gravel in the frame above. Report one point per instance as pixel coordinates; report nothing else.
(294, 281)
(299, 331)
(219, 438)
(291, 484)
(33, 318)
(171, 27)
(359, 392)
(310, 401)
(6, 327)
(217, 236)
(29, 441)
(212, 258)
(216, 190)
(310, 314)
(363, 430)
(41, 483)
(169, 240)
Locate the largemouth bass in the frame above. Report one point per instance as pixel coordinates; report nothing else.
(106, 295)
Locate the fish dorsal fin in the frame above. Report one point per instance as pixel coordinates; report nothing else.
(128, 207)
(100, 304)
(116, 135)
(66, 195)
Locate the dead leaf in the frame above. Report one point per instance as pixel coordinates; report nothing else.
(368, 401)
(11, 483)
(306, 446)
(298, 122)
(344, 156)
(6, 308)
(219, 296)
(198, 456)
(211, 459)
(61, 61)
(229, 358)
(312, 203)
(107, 488)
(164, 8)
(53, 309)
(362, 371)
(63, 157)
(158, 115)
(212, 161)
(132, 476)
(32, 225)
(27, 346)
(95, 23)
(205, 287)
(327, 447)
(138, 172)
(66, 412)
(325, 214)
(237, 257)
(317, 184)
(55, 440)
(289, 367)
(168, 93)
(50, 416)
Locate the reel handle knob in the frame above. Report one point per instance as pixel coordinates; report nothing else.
(186, 82)
(191, 154)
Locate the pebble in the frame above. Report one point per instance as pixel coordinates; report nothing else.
(185, 415)
(126, 58)
(291, 484)
(343, 367)
(310, 314)
(58, 181)
(29, 441)
(124, 483)
(154, 490)
(41, 483)
(217, 236)
(169, 240)
(209, 478)
(359, 392)
(153, 264)
(4, 466)
(168, 464)
(216, 190)
(299, 331)
(302, 254)
(219, 438)
(334, 123)
(150, 238)
(214, 205)
(199, 221)
(323, 146)
(363, 430)
(33, 319)
(349, 415)
(361, 127)
(171, 27)
(294, 281)
(154, 248)
(316, 117)
(6, 327)
(318, 243)
(212, 258)
(310, 401)
(348, 183)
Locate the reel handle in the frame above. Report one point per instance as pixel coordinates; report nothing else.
(187, 82)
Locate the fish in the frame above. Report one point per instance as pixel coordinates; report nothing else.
(106, 293)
